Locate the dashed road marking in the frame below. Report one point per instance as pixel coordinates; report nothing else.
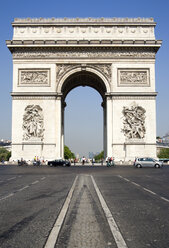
(145, 189)
(27, 186)
(11, 178)
(19, 190)
(7, 196)
(1, 181)
(120, 242)
(43, 178)
(57, 226)
(35, 182)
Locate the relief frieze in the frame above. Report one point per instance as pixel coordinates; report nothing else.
(33, 123)
(133, 77)
(62, 69)
(134, 122)
(34, 77)
(83, 53)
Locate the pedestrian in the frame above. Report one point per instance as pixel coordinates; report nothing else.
(93, 161)
(112, 162)
(107, 161)
(83, 160)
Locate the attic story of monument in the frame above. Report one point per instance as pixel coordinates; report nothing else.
(115, 56)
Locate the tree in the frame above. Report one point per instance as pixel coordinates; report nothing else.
(67, 153)
(4, 154)
(164, 153)
(99, 156)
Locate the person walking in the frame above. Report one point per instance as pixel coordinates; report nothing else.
(83, 160)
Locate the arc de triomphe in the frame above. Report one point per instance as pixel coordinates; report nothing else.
(115, 56)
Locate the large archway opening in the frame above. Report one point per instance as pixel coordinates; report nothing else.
(84, 128)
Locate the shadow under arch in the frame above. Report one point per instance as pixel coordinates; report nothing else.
(83, 77)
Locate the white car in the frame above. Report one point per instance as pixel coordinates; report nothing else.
(147, 162)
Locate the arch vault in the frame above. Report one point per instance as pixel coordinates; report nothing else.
(114, 56)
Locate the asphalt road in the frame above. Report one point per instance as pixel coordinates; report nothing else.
(110, 207)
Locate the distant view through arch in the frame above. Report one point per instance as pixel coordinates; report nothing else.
(84, 78)
(84, 122)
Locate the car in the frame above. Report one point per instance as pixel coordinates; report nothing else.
(147, 162)
(59, 162)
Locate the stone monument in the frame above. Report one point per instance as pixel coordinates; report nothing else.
(115, 56)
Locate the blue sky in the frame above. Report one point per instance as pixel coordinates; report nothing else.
(83, 127)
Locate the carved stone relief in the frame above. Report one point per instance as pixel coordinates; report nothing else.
(34, 77)
(33, 123)
(134, 122)
(61, 69)
(133, 77)
(41, 53)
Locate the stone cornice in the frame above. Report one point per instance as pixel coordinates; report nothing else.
(36, 95)
(131, 94)
(54, 30)
(83, 43)
(75, 21)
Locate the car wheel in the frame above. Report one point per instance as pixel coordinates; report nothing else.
(50, 164)
(157, 166)
(138, 165)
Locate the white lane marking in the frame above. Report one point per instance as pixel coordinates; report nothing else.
(11, 178)
(1, 181)
(126, 179)
(57, 226)
(135, 184)
(7, 196)
(165, 199)
(19, 176)
(148, 190)
(27, 186)
(151, 192)
(43, 178)
(35, 182)
(113, 226)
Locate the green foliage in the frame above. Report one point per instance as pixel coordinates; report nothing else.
(99, 156)
(4, 154)
(164, 153)
(67, 153)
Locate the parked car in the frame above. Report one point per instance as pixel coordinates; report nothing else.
(59, 162)
(147, 162)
